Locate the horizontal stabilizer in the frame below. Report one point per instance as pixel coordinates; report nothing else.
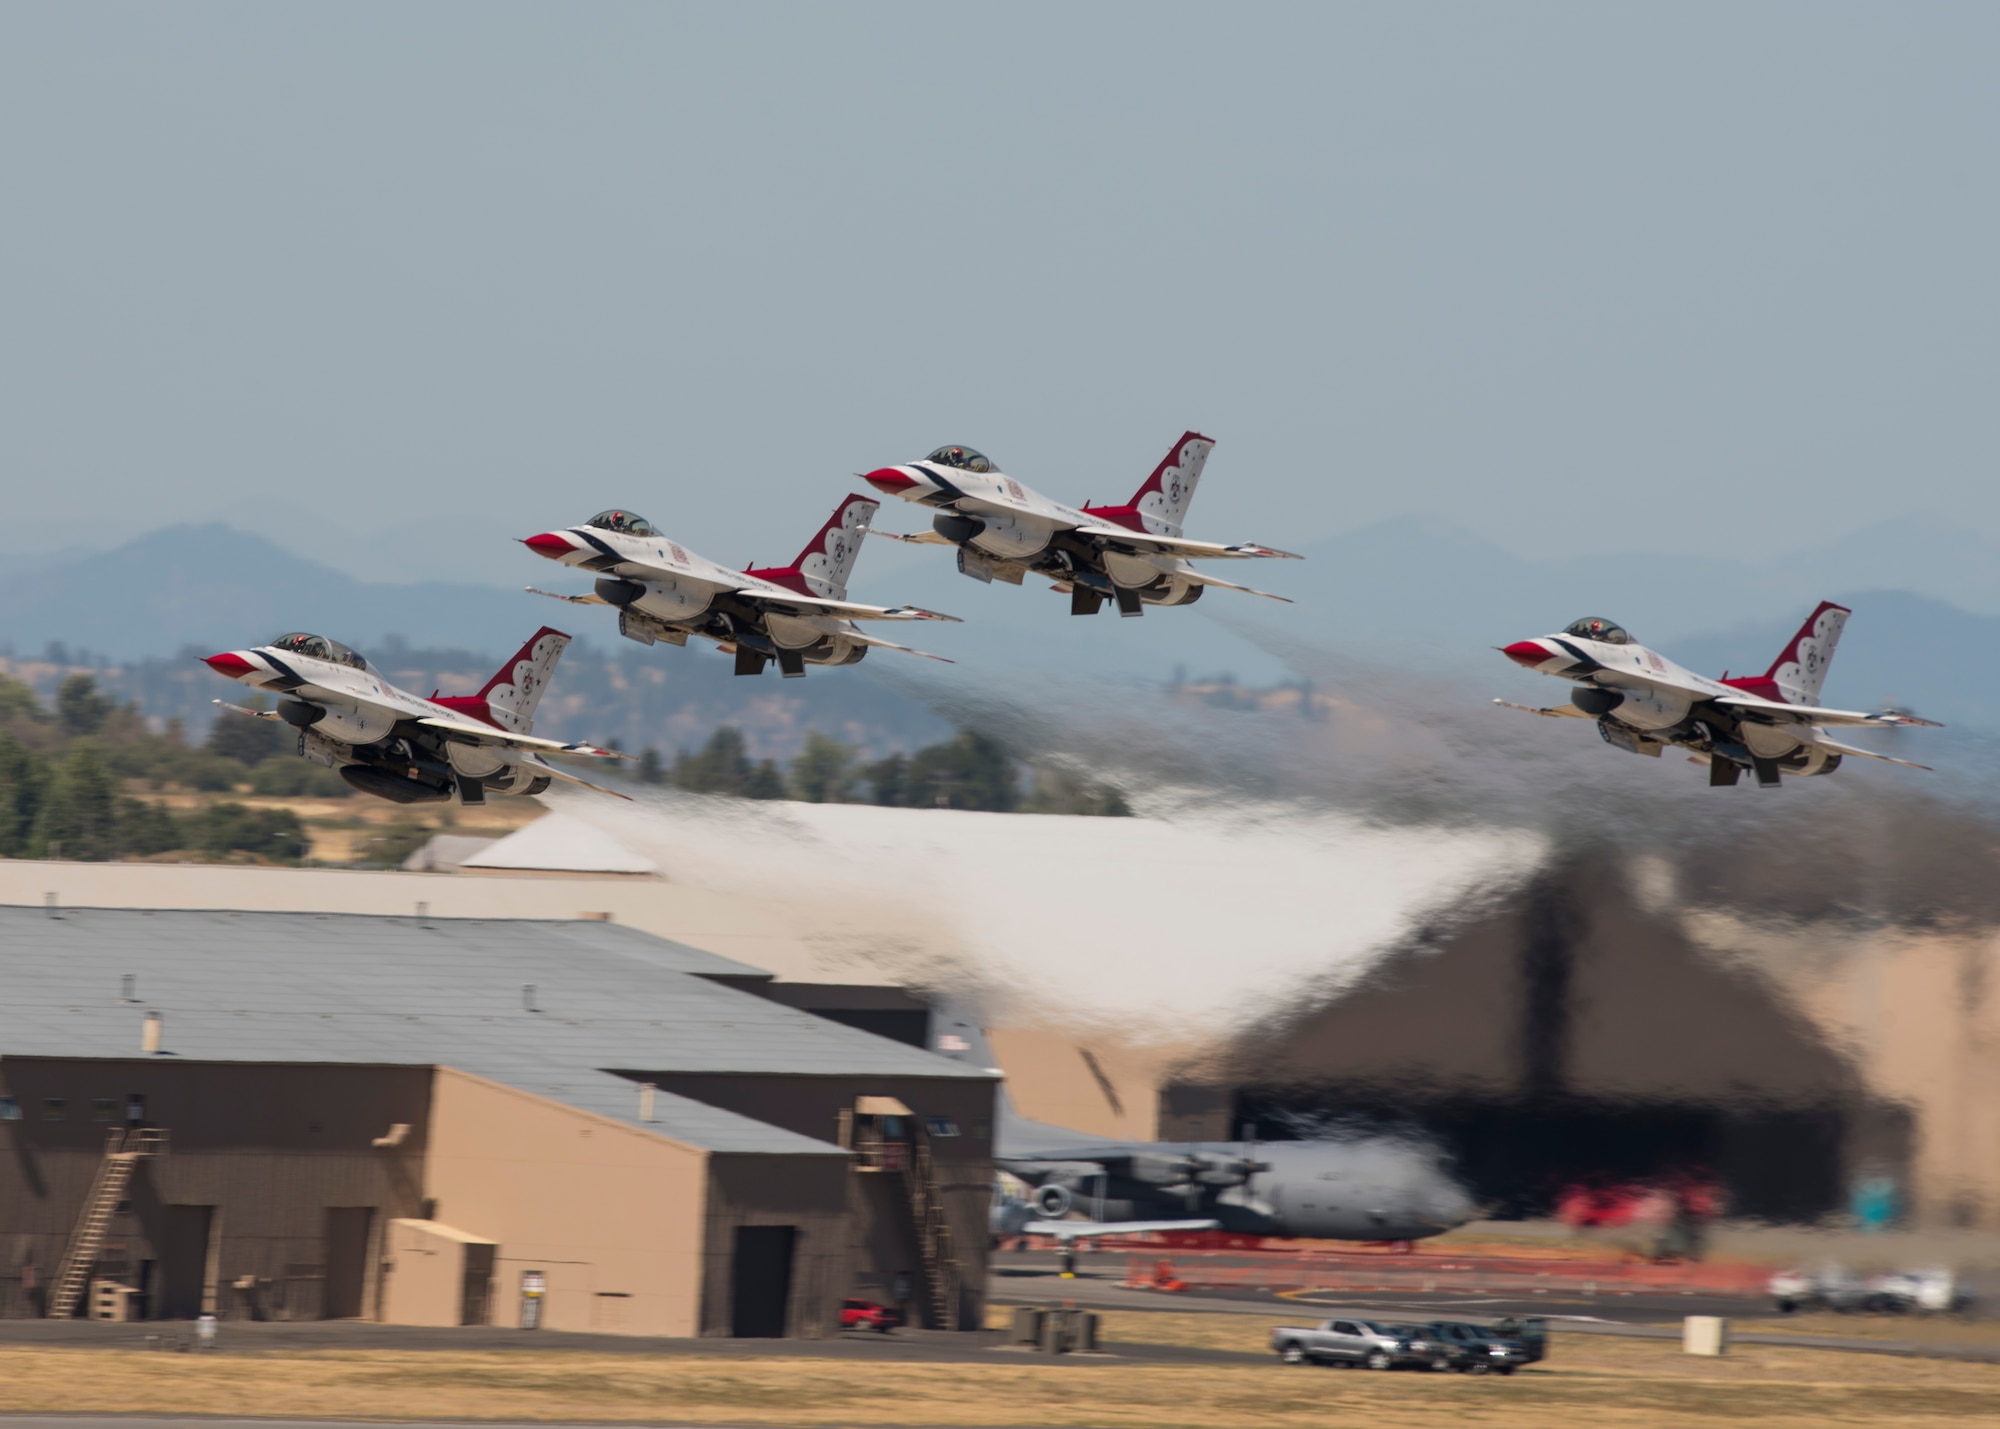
(1871, 754)
(1188, 573)
(569, 778)
(858, 638)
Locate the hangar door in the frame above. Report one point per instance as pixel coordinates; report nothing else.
(347, 1230)
(187, 1255)
(760, 1281)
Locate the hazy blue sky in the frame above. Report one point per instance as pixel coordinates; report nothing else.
(1710, 278)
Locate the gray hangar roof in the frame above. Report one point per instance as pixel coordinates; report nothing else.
(353, 988)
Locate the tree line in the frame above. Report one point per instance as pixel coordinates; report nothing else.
(969, 771)
(74, 779)
(63, 772)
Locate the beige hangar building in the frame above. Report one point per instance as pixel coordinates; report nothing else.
(569, 1125)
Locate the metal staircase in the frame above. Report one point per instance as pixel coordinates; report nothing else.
(122, 1150)
(942, 1273)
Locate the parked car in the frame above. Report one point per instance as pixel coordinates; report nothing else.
(1480, 1349)
(1835, 1287)
(867, 1315)
(1352, 1340)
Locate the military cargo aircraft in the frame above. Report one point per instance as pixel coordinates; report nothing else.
(1771, 724)
(1015, 1215)
(1373, 1187)
(397, 746)
(1133, 555)
(798, 615)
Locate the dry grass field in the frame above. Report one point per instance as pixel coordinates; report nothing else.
(1598, 1382)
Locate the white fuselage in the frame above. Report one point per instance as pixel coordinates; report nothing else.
(356, 719)
(1011, 522)
(1659, 697)
(691, 595)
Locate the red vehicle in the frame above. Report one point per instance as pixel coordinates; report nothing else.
(867, 1315)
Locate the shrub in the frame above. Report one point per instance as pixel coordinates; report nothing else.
(286, 776)
(234, 828)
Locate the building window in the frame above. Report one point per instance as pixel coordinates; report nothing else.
(55, 1108)
(942, 1126)
(104, 1109)
(10, 1110)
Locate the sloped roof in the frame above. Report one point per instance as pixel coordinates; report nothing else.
(562, 844)
(445, 852)
(351, 988)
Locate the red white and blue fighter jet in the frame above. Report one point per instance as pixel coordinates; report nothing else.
(798, 615)
(1133, 554)
(1772, 724)
(398, 746)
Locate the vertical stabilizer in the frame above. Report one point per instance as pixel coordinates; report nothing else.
(1161, 503)
(823, 567)
(1800, 669)
(512, 694)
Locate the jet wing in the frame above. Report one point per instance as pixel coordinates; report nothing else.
(1812, 714)
(1181, 546)
(569, 778)
(1083, 1230)
(472, 733)
(844, 610)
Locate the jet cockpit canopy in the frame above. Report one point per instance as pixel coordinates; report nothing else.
(318, 647)
(1593, 627)
(625, 523)
(964, 457)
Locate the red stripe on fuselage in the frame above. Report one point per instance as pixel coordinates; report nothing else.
(473, 705)
(1126, 516)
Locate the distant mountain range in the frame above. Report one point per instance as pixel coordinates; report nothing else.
(1407, 592)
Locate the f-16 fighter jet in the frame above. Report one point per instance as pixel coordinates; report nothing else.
(1133, 554)
(798, 615)
(389, 743)
(1771, 724)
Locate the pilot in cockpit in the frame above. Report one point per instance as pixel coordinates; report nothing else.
(626, 523)
(1593, 627)
(965, 458)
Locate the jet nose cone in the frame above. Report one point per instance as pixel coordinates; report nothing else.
(893, 480)
(551, 545)
(230, 664)
(1531, 653)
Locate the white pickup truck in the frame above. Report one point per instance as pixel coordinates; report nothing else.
(1351, 1340)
